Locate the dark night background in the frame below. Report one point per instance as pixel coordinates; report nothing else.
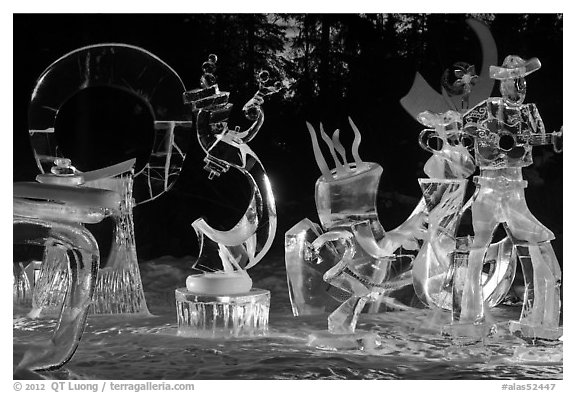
(357, 65)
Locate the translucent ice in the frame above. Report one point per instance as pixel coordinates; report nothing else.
(220, 301)
(350, 250)
(153, 134)
(63, 276)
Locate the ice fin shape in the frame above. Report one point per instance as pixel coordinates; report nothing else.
(320, 161)
(422, 96)
(338, 152)
(356, 143)
(339, 148)
(330, 144)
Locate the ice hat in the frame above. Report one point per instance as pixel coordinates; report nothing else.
(514, 67)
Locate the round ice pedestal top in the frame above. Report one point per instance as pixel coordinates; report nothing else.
(219, 283)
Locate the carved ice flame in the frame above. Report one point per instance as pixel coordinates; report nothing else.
(342, 167)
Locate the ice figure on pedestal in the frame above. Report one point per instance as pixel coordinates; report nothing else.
(350, 257)
(504, 130)
(222, 302)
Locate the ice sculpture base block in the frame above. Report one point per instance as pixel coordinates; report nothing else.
(526, 331)
(474, 331)
(218, 316)
(363, 341)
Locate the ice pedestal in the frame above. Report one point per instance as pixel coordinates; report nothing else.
(206, 316)
(119, 288)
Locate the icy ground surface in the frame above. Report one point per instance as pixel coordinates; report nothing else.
(411, 346)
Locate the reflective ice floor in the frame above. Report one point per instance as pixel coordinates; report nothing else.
(411, 345)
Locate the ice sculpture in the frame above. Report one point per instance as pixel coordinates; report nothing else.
(504, 130)
(100, 105)
(349, 259)
(221, 302)
(438, 265)
(435, 270)
(49, 216)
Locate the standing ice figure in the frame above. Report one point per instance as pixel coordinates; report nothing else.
(504, 131)
(357, 256)
(440, 267)
(222, 302)
(439, 263)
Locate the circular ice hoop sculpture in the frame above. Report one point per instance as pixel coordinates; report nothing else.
(126, 69)
(148, 111)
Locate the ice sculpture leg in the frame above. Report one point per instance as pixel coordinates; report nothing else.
(484, 224)
(542, 279)
(541, 271)
(119, 288)
(79, 252)
(343, 320)
(309, 293)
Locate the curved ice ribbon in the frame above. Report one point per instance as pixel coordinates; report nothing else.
(83, 262)
(249, 240)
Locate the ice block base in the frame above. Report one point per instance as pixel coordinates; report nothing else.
(534, 332)
(216, 316)
(474, 331)
(354, 341)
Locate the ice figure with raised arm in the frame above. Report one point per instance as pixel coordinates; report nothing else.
(504, 130)
(220, 300)
(349, 259)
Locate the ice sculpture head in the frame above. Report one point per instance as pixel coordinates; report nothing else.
(459, 79)
(512, 75)
(208, 78)
(225, 147)
(448, 144)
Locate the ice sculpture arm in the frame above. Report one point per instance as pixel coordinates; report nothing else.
(535, 120)
(83, 263)
(253, 108)
(407, 234)
(448, 144)
(538, 135)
